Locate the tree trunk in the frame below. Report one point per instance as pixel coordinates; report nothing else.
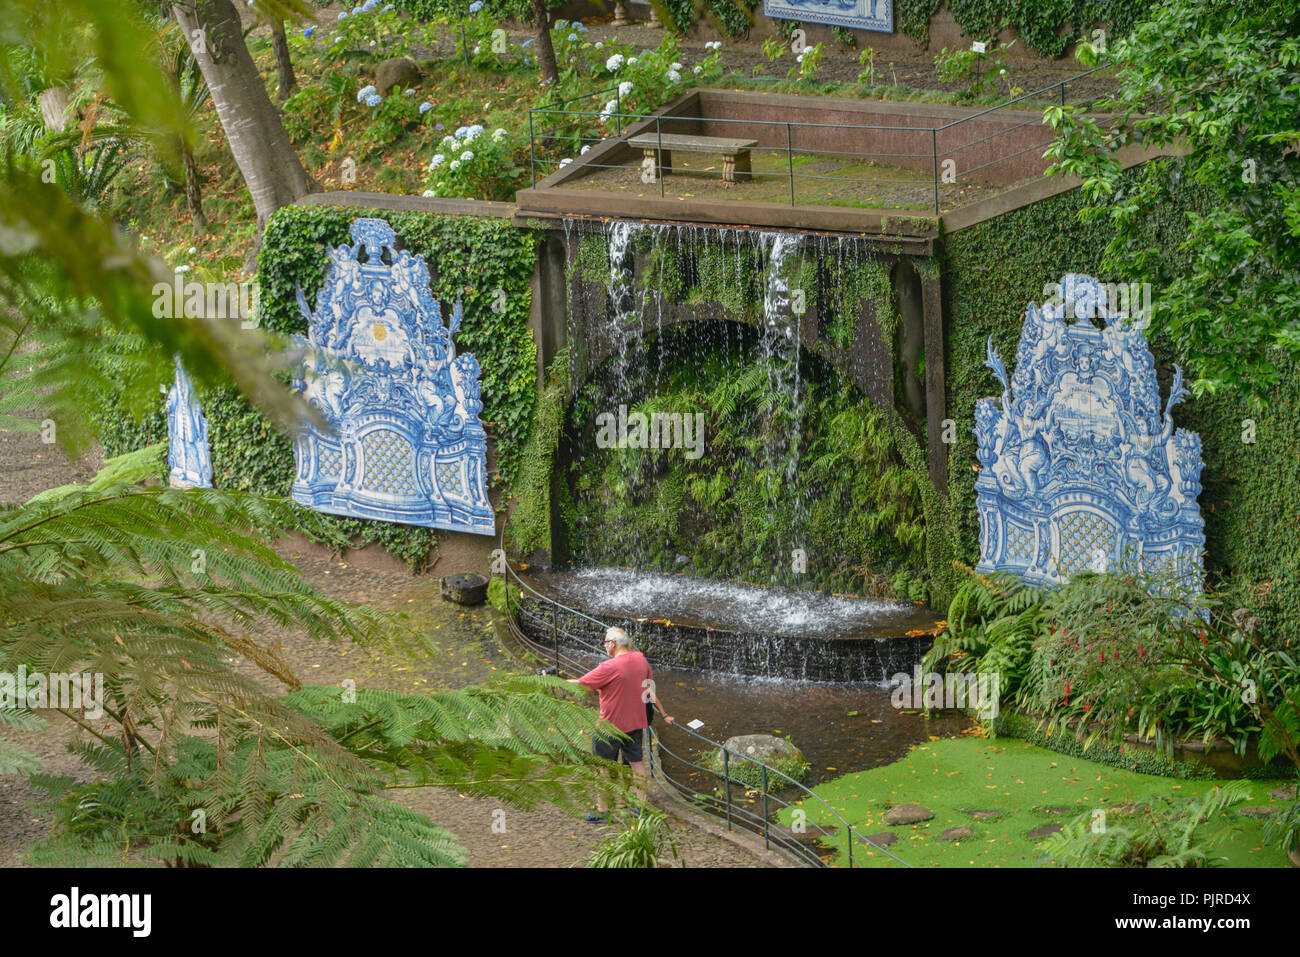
(545, 51)
(272, 171)
(194, 192)
(280, 44)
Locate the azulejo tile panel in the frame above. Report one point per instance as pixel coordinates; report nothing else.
(877, 15)
(402, 440)
(187, 435)
(1079, 466)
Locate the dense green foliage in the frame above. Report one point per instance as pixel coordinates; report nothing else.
(744, 505)
(1048, 27)
(1218, 81)
(1107, 656)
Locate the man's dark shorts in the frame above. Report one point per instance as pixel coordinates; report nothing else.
(611, 749)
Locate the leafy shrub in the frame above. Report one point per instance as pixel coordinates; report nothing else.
(640, 843)
(475, 164)
(1167, 833)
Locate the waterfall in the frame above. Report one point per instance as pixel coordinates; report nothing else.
(642, 284)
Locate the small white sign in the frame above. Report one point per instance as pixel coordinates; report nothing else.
(978, 46)
(695, 725)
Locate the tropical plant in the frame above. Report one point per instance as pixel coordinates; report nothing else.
(1168, 832)
(993, 622)
(641, 842)
(1217, 82)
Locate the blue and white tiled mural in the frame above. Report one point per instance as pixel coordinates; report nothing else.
(404, 442)
(1080, 469)
(187, 435)
(875, 15)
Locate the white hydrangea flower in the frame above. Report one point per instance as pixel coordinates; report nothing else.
(600, 44)
(499, 133)
(438, 160)
(466, 156)
(697, 69)
(450, 142)
(676, 66)
(674, 76)
(455, 165)
(625, 88)
(631, 61)
(614, 62)
(427, 192)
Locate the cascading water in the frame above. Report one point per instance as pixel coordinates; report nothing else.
(636, 291)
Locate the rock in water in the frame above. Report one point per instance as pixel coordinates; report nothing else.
(907, 814)
(399, 71)
(464, 589)
(777, 753)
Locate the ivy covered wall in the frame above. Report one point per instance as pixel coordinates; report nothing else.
(1250, 498)
(469, 258)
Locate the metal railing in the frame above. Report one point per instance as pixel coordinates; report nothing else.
(722, 803)
(558, 123)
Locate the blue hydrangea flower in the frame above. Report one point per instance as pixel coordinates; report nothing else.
(461, 132)
(343, 14)
(572, 38)
(476, 6)
(364, 92)
(309, 31)
(374, 99)
(440, 127)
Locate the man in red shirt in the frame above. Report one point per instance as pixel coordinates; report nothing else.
(625, 685)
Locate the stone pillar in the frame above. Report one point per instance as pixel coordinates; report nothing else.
(936, 398)
(548, 315)
(621, 18)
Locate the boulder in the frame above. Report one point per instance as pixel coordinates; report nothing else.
(777, 753)
(907, 814)
(883, 839)
(957, 833)
(1284, 793)
(1045, 830)
(399, 71)
(984, 815)
(464, 589)
(1264, 811)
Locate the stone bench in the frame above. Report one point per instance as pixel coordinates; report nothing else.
(735, 153)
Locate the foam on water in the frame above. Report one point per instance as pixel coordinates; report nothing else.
(722, 604)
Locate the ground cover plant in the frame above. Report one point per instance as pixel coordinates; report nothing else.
(1020, 789)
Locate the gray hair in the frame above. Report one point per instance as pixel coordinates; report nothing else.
(619, 637)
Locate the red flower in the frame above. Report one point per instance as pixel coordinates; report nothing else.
(1116, 654)
(1087, 707)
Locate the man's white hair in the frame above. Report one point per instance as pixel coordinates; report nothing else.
(619, 637)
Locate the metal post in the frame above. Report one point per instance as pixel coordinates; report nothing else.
(766, 826)
(464, 44)
(849, 829)
(934, 151)
(659, 172)
(1063, 93)
(726, 782)
(789, 159)
(532, 155)
(618, 112)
